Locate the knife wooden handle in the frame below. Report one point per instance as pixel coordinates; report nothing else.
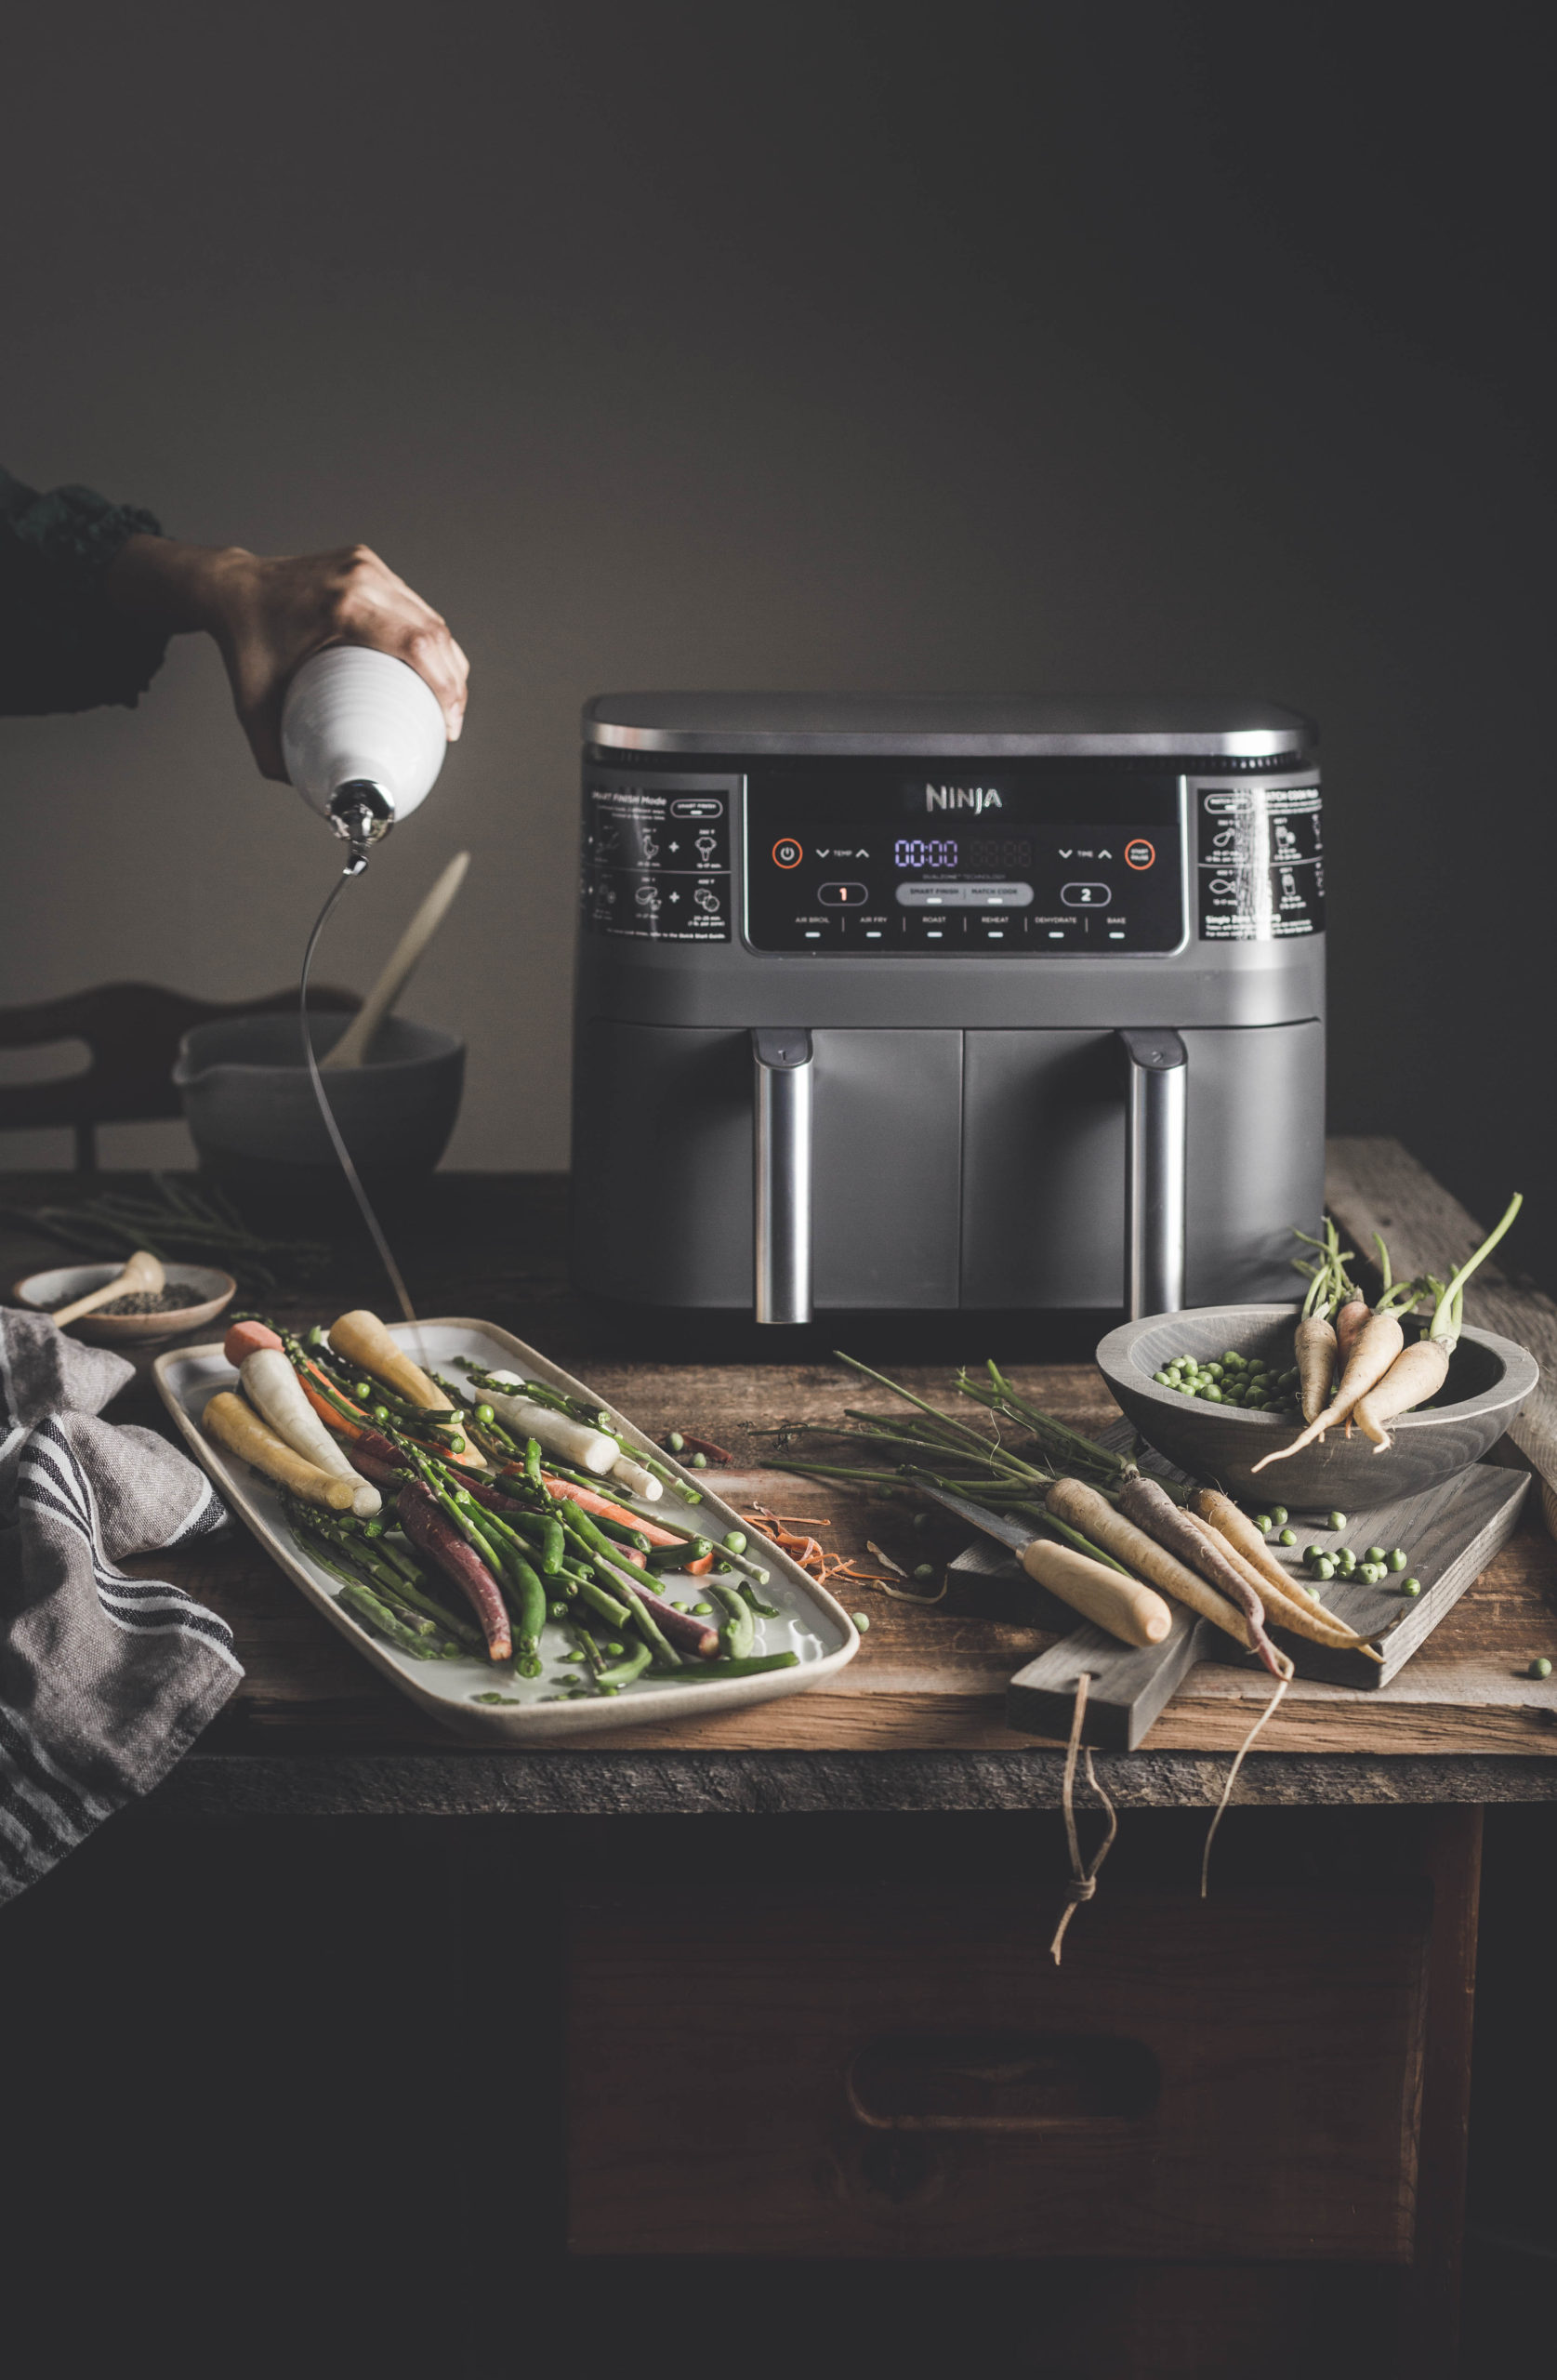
(1133, 1613)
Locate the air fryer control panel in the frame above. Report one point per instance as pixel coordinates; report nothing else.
(879, 859)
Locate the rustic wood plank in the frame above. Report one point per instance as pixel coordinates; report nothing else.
(1377, 1185)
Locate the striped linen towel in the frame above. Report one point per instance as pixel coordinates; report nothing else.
(104, 1680)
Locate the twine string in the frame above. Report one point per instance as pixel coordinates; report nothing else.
(1268, 1712)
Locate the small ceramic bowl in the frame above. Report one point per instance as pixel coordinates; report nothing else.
(208, 1292)
(1489, 1380)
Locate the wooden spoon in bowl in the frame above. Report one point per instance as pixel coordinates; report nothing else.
(142, 1271)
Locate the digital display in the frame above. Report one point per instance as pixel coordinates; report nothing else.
(1035, 860)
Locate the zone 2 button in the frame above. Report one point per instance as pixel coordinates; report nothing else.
(1139, 853)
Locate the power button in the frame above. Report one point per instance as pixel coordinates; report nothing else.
(788, 853)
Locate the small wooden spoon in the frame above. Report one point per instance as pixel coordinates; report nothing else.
(142, 1271)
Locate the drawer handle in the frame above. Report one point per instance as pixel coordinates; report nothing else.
(1002, 2083)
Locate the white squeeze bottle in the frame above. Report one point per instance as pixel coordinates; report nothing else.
(362, 737)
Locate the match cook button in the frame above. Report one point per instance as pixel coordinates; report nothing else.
(787, 854)
(1086, 897)
(843, 896)
(1139, 853)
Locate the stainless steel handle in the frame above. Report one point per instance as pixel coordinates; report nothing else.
(1156, 1163)
(782, 1065)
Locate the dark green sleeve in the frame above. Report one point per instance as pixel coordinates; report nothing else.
(62, 645)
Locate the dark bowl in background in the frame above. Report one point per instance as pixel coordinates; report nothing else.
(253, 1117)
(1489, 1380)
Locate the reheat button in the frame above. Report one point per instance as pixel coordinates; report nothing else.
(843, 896)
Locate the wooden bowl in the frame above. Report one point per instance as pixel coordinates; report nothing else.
(1489, 1380)
(208, 1292)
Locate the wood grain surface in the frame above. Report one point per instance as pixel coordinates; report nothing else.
(931, 1678)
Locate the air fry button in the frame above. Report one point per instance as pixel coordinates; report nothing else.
(788, 853)
(1139, 853)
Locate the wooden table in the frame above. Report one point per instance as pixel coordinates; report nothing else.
(915, 1726)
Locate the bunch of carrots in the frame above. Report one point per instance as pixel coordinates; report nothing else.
(1353, 1363)
(429, 1502)
(1094, 1511)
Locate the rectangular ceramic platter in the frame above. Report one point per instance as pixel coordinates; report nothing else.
(809, 1622)
(1449, 1533)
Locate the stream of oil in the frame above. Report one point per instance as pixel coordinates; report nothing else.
(353, 868)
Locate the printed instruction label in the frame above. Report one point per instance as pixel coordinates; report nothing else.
(1261, 862)
(657, 863)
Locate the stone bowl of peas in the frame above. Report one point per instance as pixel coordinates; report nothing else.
(1215, 1389)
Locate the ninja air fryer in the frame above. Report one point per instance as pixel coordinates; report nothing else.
(930, 1002)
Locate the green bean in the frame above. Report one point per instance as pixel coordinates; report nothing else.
(620, 1673)
(755, 1667)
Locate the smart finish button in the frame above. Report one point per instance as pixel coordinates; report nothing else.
(787, 854)
(1086, 897)
(1139, 853)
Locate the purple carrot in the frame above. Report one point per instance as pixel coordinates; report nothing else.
(1142, 1501)
(683, 1629)
(435, 1536)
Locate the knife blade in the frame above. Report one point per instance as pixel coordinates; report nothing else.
(1135, 1614)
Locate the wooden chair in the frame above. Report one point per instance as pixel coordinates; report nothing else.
(133, 1031)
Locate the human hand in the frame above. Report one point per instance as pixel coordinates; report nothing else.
(269, 614)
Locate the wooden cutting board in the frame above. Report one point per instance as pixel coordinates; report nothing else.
(1449, 1534)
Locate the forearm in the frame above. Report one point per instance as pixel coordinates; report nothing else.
(170, 587)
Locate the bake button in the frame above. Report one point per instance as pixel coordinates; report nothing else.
(843, 896)
(788, 853)
(1139, 853)
(1086, 897)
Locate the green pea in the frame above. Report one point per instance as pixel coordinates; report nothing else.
(614, 1650)
(1376, 1553)
(1411, 1587)
(1346, 1561)
(1213, 1372)
(1263, 1522)
(557, 1610)
(1337, 1520)
(860, 1620)
(1279, 1515)
(574, 1655)
(1397, 1558)
(677, 1606)
(1184, 1387)
(486, 1414)
(1313, 1554)
(737, 1541)
(456, 1444)
(700, 1463)
(1212, 1394)
(1288, 1537)
(1232, 1356)
(702, 1610)
(675, 1441)
(1541, 1668)
(1325, 1567)
(1256, 1401)
(1162, 1380)
(925, 1572)
(363, 1392)
(921, 1521)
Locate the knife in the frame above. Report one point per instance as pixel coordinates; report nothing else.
(1136, 1615)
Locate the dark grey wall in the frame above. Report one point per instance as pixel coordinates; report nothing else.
(1086, 346)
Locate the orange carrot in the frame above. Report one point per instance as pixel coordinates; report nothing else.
(247, 1339)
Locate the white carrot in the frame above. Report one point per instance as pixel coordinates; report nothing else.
(1378, 1342)
(1420, 1371)
(271, 1387)
(574, 1442)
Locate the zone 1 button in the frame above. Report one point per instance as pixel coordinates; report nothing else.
(843, 896)
(1139, 853)
(788, 853)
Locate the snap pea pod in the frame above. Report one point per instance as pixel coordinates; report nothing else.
(740, 1633)
(619, 1674)
(523, 1591)
(553, 1546)
(616, 1614)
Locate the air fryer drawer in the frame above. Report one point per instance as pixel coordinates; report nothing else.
(663, 1166)
(766, 2068)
